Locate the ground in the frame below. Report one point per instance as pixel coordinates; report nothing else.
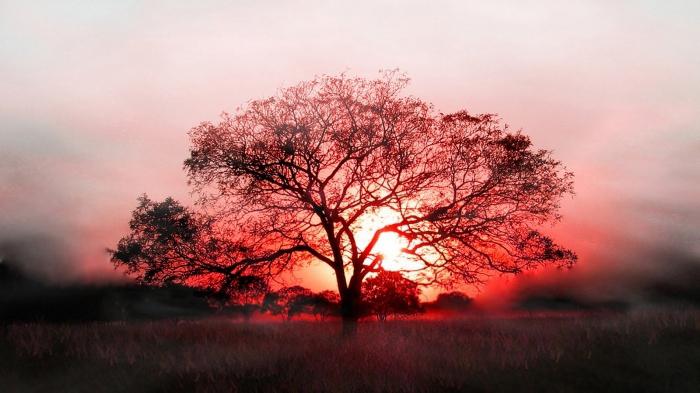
(641, 351)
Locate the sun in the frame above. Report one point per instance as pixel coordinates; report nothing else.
(390, 245)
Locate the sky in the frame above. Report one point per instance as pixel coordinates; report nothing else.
(96, 99)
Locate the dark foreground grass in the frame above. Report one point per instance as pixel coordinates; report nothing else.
(637, 352)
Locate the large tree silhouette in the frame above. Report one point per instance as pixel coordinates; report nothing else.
(293, 178)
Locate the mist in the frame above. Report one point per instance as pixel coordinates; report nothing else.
(641, 255)
(97, 101)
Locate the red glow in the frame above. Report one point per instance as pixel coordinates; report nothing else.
(390, 244)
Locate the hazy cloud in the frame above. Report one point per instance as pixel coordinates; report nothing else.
(97, 98)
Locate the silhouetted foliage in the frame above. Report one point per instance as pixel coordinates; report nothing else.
(170, 243)
(390, 293)
(25, 299)
(291, 178)
(243, 310)
(452, 301)
(296, 300)
(555, 302)
(288, 301)
(325, 304)
(244, 297)
(681, 284)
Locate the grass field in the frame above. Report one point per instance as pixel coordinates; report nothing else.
(633, 352)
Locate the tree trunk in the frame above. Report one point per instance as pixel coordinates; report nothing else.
(350, 309)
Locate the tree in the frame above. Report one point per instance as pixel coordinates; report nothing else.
(452, 301)
(390, 293)
(296, 300)
(170, 243)
(325, 304)
(244, 298)
(289, 301)
(294, 177)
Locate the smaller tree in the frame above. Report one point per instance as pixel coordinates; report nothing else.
(296, 300)
(390, 293)
(289, 301)
(452, 301)
(325, 304)
(243, 297)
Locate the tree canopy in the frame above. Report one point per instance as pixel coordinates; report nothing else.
(294, 178)
(171, 243)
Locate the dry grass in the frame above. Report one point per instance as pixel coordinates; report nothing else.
(637, 352)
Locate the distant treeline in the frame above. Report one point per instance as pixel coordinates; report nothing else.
(23, 298)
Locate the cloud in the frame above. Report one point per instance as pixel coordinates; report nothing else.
(633, 256)
(97, 100)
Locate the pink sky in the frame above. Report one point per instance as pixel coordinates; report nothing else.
(97, 98)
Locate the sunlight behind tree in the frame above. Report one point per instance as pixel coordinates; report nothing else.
(350, 173)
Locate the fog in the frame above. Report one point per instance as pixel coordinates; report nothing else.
(97, 100)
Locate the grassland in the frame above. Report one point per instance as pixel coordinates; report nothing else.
(633, 352)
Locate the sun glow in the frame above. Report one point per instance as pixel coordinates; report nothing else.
(390, 245)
